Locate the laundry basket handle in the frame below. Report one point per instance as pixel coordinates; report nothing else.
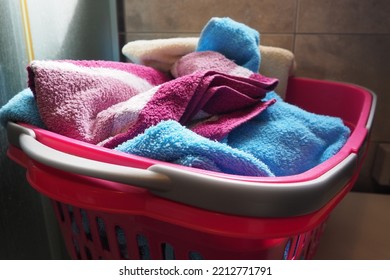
(216, 193)
(25, 139)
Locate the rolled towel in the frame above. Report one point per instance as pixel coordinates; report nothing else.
(234, 40)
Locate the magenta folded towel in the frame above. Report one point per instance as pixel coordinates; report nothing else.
(214, 61)
(107, 103)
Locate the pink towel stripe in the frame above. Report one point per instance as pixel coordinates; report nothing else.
(71, 95)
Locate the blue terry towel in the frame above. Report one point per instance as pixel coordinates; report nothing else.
(21, 108)
(288, 139)
(170, 141)
(284, 140)
(234, 40)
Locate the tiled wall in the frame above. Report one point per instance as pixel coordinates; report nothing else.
(346, 40)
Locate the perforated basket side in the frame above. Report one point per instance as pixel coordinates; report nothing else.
(99, 235)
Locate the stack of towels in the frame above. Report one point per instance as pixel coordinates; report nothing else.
(198, 102)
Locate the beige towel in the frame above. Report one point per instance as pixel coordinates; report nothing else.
(278, 63)
(163, 53)
(159, 53)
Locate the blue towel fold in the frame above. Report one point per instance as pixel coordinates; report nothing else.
(284, 140)
(234, 40)
(21, 108)
(170, 141)
(288, 139)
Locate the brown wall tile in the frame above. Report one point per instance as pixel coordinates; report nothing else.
(190, 16)
(150, 36)
(344, 16)
(284, 41)
(359, 59)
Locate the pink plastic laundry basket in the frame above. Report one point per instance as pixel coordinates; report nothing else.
(112, 205)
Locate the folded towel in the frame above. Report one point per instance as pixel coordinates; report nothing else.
(108, 103)
(208, 60)
(288, 139)
(171, 142)
(71, 95)
(234, 40)
(212, 103)
(159, 53)
(201, 61)
(21, 108)
(214, 61)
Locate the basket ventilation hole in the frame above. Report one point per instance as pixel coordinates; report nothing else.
(291, 250)
(86, 226)
(287, 249)
(77, 248)
(143, 247)
(121, 240)
(74, 226)
(167, 251)
(88, 253)
(102, 234)
(296, 247)
(195, 256)
(59, 207)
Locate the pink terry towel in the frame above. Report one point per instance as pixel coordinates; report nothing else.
(71, 95)
(107, 103)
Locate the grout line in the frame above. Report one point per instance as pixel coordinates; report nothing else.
(297, 10)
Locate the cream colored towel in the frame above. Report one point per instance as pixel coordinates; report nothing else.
(159, 53)
(278, 63)
(163, 53)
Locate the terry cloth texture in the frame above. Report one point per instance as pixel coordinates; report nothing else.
(21, 108)
(234, 40)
